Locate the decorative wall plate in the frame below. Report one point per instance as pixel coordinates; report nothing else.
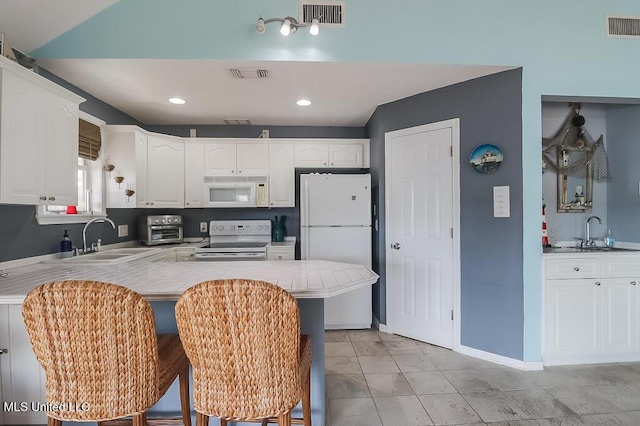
(486, 158)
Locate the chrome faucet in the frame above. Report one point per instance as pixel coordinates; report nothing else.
(84, 230)
(588, 240)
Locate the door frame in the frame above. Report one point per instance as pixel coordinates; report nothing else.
(454, 125)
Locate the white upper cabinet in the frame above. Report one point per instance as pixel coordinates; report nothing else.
(281, 175)
(253, 159)
(345, 155)
(219, 159)
(38, 139)
(152, 165)
(229, 159)
(331, 154)
(312, 155)
(165, 172)
(193, 174)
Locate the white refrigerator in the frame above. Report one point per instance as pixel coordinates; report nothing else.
(335, 224)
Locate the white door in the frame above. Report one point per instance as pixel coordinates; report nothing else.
(420, 227)
(219, 159)
(193, 174)
(335, 200)
(345, 155)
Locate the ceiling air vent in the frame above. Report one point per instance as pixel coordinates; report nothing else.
(328, 13)
(237, 121)
(248, 72)
(623, 27)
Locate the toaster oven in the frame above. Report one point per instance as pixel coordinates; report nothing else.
(160, 229)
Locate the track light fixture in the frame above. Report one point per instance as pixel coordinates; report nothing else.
(289, 25)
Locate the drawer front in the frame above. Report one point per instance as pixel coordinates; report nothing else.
(572, 268)
(280, 253)
(621, 266)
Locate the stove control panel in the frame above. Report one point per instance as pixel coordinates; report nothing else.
(239, 227)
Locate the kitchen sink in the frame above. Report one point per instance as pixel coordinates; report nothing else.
(119, 255)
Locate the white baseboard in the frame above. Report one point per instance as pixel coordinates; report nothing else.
(574, 359)
(499, 359)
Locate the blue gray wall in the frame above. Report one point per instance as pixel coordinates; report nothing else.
(489, 109)
(623, 149)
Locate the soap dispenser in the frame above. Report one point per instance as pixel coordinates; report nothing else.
(609, 239)
(66, 246)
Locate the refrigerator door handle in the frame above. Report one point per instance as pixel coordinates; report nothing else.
(305, 206)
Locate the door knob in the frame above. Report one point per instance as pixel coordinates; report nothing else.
(4, 351)
(395, 246)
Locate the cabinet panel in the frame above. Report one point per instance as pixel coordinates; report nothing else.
(165, 173)
(142, 194)
(281, 175)
(280, 253)
(311, 155)
(22, 141)
(252, 159)
(219, 159)
(621, 266)
(21, 375)
(193, 174)
(619, 316)
(573, 268)
(61, 151)
(345, 155)
(573, 325)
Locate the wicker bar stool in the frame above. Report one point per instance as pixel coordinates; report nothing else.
(98, 346)
(250, 362)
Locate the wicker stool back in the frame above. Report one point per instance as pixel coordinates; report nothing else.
(97, 345)
(242, 338)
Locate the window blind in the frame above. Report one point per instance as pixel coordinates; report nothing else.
(89, 141)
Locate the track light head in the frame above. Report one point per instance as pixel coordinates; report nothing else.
(288, 25)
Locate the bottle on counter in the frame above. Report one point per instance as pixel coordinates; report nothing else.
(609, 239)
(279, 228)
(66, 246)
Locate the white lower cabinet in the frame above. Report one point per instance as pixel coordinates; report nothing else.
(593, 317)
(21, 377)
(281, 252)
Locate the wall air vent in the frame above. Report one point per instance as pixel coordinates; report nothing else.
(328, 13)
(248, 72)
(623, 26)
(237, 121)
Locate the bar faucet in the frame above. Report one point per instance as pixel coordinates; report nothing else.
(588, 240)
(84, 230)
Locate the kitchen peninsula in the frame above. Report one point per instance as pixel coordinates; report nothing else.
(162, 283)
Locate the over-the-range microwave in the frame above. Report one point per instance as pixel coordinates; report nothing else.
(236, 191)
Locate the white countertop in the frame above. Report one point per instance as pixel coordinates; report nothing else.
(165, 281)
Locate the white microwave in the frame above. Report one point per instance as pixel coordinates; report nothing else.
(236, 191)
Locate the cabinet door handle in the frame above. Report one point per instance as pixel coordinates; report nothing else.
(52, 198)
(633, 283)
(576, 269)
(597, 283)
(4, 351)
(239, 171)
(43, 198)
(332, 164)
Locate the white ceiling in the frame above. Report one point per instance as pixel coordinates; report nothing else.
(343, 94)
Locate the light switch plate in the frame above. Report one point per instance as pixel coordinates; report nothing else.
(203, 227)
(123, 230)
(501, 202)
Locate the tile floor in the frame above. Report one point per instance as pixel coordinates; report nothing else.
(374, 378)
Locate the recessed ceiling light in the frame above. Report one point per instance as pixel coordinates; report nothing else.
(177, 101)
(303, 102)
